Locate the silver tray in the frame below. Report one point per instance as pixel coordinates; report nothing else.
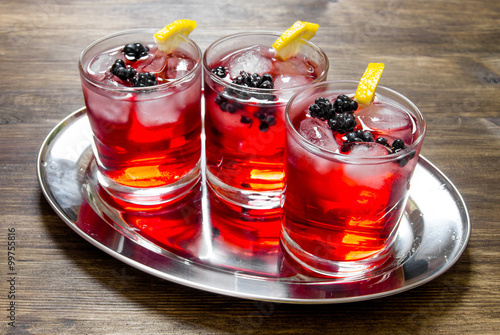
(203, 243)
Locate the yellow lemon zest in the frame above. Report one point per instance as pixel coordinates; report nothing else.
(169, 37)
(288, 44)
(368, 83)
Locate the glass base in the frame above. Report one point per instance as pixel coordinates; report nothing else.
(244, 197)
(349, 270)
(151, 195)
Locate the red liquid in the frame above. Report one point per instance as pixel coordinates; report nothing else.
(145, 138)
(249, 232)
(346, 212)
(243, 154)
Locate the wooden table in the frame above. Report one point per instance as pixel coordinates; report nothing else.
(443, 55)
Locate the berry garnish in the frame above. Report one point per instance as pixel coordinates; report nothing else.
(351, 137)
(144, 79)
(383, 141)
(245, 119)
(366, 136)
(135, 51)
(342, 123)
(219, 71)
(340, 116)
(254, 80)
(265, 115)
(227, 105)
(121, 71)
(322, 109)
(127, 73)
(360, 136)
(117, 64)
(344, 104)
(398, 145)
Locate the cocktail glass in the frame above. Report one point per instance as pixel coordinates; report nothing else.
(245, 126)
(344, 200)
(147, 140)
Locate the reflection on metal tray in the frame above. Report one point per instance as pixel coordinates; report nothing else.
(203, 243)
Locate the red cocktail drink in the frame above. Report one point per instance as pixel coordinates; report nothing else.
(347, 177)
(246, 91)
(144, 109)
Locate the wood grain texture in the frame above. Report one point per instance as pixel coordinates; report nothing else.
(443, 54)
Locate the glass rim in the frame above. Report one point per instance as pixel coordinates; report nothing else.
(233, 86)
(126, 89)
(331, 155)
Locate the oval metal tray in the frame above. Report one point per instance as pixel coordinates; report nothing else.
(202, 243)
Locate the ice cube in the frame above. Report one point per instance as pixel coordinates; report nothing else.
(286, 81)
(294, 67)
(161, 110)
(387, 121)
(251, 60)
(318, 133)
(157, 112)
(366, 149)
(100, 66)
(178, 67)
(369, 175)
(109, 113)
(155, 64)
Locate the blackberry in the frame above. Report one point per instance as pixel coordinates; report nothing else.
(254, 80)
(219, 71)
(359, 136)
(121, 71)
(231, 108)
(243, 79)
(219, 99)
(351, 137)
(263, 126)
(260, 114)
(144, 79)
(271, 120)
(267, 84)
(344, 104)
(322, 109)
(359, 133)
(398, 145)
(245, 119)
(265, 115)
(383, 141)
(267, 118)
(227, 105)
(367, 136)
(267, 77)
(116, 65)
(354, 105)
(135, 51)
(130, 74)
(342, 123)
(403, 161)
